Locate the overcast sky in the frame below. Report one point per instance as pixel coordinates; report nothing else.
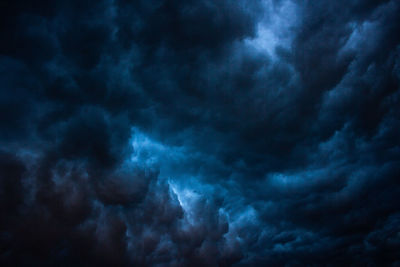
(199, 133)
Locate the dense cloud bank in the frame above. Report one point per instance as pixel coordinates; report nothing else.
(199, 133)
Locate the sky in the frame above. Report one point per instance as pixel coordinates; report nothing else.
(199, 133)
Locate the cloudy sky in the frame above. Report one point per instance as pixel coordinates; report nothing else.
(200, 133)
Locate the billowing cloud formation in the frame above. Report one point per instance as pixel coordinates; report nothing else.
(199, 133)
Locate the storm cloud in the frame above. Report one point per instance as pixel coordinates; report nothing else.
(199, 133)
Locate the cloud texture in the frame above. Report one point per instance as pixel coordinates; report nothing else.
(200, 133)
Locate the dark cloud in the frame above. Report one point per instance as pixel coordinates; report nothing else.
(199, 133)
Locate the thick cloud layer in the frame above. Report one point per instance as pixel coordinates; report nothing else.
(199, 133)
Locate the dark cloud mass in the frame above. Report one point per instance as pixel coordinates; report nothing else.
(200, 133)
